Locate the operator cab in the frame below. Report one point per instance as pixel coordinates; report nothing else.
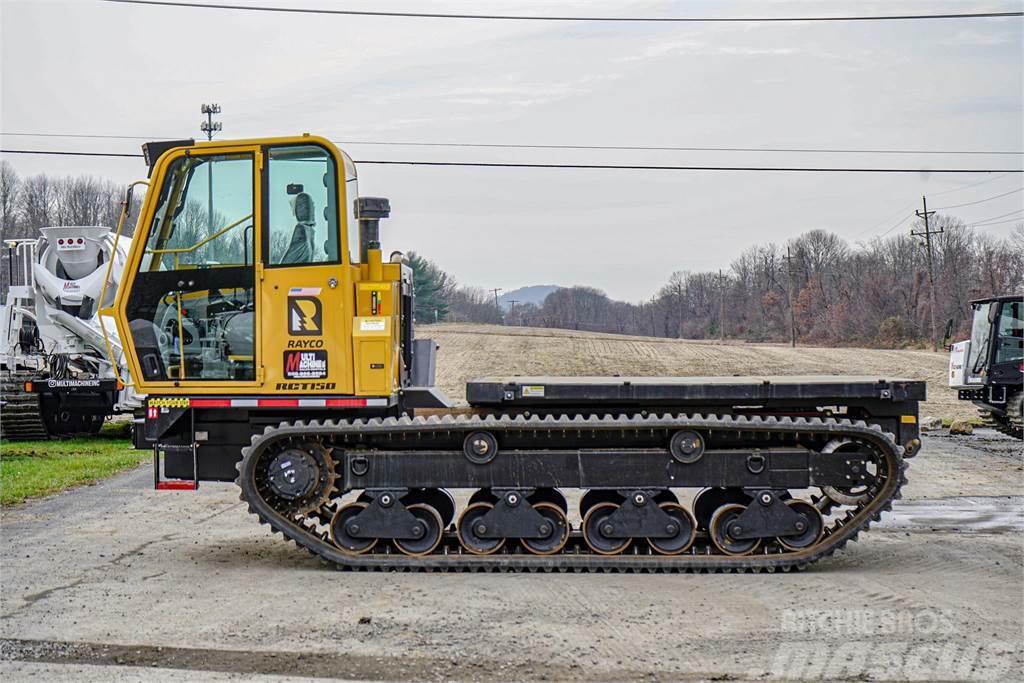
(996, 347)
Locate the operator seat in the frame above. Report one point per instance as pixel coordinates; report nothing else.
(300, 248)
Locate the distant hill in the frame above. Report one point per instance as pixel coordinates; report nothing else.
(534, 294)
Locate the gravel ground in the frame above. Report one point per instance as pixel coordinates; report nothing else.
(120, 582)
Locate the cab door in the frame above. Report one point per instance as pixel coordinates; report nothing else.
(189, 301)
(305, 288)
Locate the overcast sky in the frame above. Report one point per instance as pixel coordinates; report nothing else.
(88, 67)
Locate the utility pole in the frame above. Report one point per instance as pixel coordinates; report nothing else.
(721, 306)
(927, 234)
(512, 309)
(209, 126)
(789, 294)
(496, 305)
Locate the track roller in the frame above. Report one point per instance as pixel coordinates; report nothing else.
(469, 529)
(433, 528)
(815, 526)
(340, 534)
(559, 534)
(718, 529)
(597, 532)
(685, 533)
(708, 500)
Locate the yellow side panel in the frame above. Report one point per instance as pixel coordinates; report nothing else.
(305, 329)
(374, 354)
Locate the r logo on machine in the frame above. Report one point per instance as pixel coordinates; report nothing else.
(305, 364)
(305, 312)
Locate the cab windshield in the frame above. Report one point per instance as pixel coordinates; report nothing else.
(980, 331)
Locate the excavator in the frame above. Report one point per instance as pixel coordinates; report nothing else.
(988, 368)
(276, 349)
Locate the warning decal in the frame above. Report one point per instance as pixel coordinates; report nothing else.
(305, 364)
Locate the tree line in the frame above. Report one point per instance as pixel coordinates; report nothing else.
(28, 204)
(816, 288)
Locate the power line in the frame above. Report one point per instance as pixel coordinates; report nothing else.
(518, 17)
(965, 187)
(637, 148)
(651, 167)
(621, 167)
(65, 153)
(1018, 219)
(993, 218)
(903, 208)
(980, 201)
(902, 221)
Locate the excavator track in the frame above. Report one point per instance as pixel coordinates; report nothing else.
(310, 522)
(1012, 423)
(21, 414)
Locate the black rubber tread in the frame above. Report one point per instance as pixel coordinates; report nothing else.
(847, 532)
(21, 415)
(1012, 423)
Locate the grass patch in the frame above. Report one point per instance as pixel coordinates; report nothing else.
(29, 469)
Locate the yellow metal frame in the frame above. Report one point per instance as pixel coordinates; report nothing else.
(110, 310)
(139, 250)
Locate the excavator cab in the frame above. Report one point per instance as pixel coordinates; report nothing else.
(248, 276)
(988, 369)
(255, 281)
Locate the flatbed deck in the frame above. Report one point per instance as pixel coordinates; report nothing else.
(682, 391)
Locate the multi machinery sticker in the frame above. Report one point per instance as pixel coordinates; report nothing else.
(305, 364)
(305, 315)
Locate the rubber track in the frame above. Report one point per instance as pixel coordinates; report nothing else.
(21, 414)
(888, 449)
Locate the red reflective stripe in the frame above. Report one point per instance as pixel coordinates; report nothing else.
(276, 403)
(210, 403)
(176, 486)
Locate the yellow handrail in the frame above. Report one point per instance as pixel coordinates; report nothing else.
(186, 250)
(106, 281)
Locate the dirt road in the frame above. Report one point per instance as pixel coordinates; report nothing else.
(469, 351)
(120, 582)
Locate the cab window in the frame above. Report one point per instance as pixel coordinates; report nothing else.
(1010, 345)
(302, 206)
(191, 308)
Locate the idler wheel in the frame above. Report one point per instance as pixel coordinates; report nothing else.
(686, 531)
(686, 447)
(811, 533)
(432, 528)
(559, 531)
(293, 474)
(719, 531)
(480, 448)
(341, 534)
(469, 520)
(594, 531)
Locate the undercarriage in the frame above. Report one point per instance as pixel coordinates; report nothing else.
(540, 483)
(742, 493)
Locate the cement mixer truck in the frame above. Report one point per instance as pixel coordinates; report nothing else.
(57, 379)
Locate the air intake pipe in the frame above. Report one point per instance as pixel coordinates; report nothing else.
(369, 211)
